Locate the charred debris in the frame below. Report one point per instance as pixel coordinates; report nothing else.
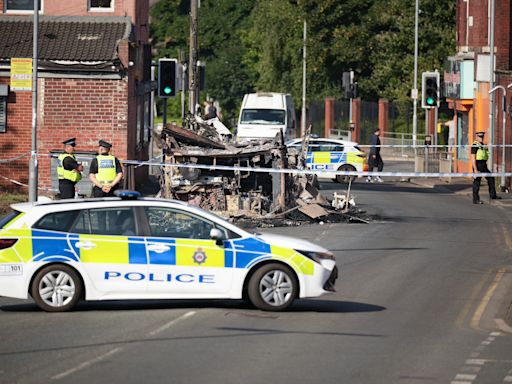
(249, 198)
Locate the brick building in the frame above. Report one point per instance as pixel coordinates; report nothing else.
(467, 79)
(93, 81)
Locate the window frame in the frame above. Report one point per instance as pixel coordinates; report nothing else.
(24, 11)
(3, 114)
(92, 233)
(90, 8)
(70, 225)
(229, 235)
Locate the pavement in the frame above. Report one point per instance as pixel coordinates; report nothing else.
(463, 187)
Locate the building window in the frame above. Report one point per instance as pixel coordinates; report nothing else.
(3, 114)
(101, 5)
(462, 135)
(21, 5)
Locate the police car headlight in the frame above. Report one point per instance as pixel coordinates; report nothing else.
(317, 256)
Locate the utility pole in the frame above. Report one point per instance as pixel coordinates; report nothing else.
(492, 6)
(303, 120)
(504, 131)
(415, 89)
(192, 61)
(33, 166)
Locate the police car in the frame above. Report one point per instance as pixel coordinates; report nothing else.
(332, 155)
(128, 247)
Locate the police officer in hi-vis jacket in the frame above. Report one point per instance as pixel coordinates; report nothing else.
(105, 172)
(479, 157)
(68, 170)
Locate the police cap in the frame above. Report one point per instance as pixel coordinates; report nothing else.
(480, 134)
(105, 144)
(70, 142)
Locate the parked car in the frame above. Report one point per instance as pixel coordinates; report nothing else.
(327, 155)
(129, 247)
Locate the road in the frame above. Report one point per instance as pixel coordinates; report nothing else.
(420, 291)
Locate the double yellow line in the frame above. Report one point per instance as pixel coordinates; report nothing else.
(477, 316)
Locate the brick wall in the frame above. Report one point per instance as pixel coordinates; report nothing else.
(502, 35)
(17, 139)
(477, 33)
(88, 109)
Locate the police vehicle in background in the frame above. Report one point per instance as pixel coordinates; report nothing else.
(128, 247)
(330, 155)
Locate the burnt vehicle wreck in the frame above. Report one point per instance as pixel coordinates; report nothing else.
(194, 159)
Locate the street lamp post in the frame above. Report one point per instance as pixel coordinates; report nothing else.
(504, 113)
(33, 166)
(303, 120)
(415, 89)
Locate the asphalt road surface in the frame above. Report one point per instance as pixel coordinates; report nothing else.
(418, 300)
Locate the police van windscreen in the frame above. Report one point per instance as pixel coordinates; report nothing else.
(263, 116)
(7, 218)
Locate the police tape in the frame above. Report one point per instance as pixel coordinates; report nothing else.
(317, 172)
(448, 146)
(14, 158)
(19, 183)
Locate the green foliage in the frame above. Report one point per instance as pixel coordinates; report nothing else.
(251, 45)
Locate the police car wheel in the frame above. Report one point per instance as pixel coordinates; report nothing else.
(56, 288)
(273, 287)
(344, 179)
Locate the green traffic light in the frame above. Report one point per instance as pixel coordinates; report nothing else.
(167, 90)
(430, 101)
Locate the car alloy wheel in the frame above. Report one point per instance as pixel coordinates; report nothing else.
(56, 288)
(273, 287)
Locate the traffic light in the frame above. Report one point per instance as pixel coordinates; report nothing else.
(167, 83)
(430, 90)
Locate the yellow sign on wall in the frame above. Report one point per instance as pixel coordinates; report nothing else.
(21, 74)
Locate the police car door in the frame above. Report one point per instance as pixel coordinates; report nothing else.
(111, 252)
(183, 260)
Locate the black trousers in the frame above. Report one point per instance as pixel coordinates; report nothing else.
(98, 192)
(66, 189)
(478, 180)
(375, 162)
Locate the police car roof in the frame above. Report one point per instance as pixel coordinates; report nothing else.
(24, 207)
(340, 141)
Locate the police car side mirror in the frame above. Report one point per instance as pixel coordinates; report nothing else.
(217, 235)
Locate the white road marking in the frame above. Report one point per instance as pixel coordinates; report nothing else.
(462, 376)
(86, 364)
(475, 362)
(116, 350)
(171, 323)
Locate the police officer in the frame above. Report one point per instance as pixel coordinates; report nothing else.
(479, 157)
(68, 170)
(105, 172)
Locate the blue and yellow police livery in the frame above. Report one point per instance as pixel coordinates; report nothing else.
(331, 155)
(115, 248)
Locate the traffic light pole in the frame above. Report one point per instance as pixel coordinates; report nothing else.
(192, 62)
(164, 114)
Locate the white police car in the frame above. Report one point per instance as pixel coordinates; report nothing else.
(139, 248)
(328, 155)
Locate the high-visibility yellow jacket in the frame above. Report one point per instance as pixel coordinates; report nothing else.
(64, 174)
(106, 169)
